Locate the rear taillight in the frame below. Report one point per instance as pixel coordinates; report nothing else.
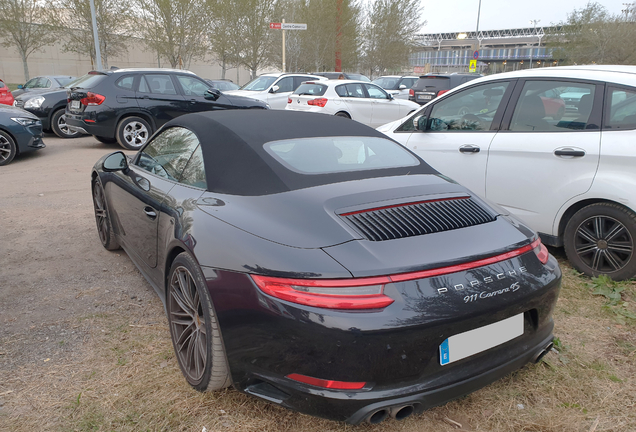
(321, 102)
(330, 384)
(362, 293)
(441, 92)
(540, 250)
(92, 99)
(289, 100)
(411, 92)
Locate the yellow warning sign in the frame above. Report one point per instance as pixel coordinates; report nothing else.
(472, 66)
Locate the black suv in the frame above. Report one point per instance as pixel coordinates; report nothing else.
(429, 86)
(128, 105)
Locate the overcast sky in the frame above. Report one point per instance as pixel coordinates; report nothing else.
(461, 15)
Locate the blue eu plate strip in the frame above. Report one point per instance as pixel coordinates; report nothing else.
(444, 356)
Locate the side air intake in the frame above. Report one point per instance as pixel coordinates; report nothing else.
(419, 218)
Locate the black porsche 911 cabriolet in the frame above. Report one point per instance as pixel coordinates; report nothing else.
(312, 262)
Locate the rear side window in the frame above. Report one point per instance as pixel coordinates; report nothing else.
(194, 172)
(553, 106)
(622, 109)
(157, 84)
(126, 82)
(351, 90)
(339, 154)
(311, 89)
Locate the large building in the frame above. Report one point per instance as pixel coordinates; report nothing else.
(498, 50)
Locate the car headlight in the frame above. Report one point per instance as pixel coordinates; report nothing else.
(26, 122)
(35, 102)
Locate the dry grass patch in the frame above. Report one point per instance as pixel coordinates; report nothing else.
(126, 378)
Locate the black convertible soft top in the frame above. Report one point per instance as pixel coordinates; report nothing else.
(236, 162)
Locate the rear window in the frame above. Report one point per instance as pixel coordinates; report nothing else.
(64, 81)
(437, 83)
(89, 81)
(311, 89)
(326, 155)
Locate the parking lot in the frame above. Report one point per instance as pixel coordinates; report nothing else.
(84, 342)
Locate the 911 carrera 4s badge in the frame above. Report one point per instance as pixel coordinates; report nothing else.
(474, 341)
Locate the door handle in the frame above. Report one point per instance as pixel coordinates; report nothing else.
(150, 212)
(569, 152)
(192, 101)
(469, 148)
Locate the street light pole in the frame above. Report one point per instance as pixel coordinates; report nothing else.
(98, 53)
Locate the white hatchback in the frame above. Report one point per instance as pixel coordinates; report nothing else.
(273, 88)
(358, 100)
(571, 176)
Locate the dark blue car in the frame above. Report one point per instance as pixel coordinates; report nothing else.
(20, 132)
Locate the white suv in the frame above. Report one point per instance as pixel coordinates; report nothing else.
(274, 88)
(565, 165)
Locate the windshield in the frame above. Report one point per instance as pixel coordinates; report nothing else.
(259, 84)
(339, 154)
(387, 83)
(358, 77)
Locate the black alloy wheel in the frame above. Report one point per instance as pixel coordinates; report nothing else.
(7, 149)
(133, 133)
(193, 327)
(599, 239)
(104, 226)
(59, 126)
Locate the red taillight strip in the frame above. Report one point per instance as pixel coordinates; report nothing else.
(402, 205)
(283, 289)
(465, 266)
(330, 384)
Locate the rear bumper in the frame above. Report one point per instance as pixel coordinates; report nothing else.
(395, 351)
(100, 123)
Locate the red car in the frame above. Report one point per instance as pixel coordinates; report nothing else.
(5, 95)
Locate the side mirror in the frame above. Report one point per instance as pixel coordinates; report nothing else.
(402, 86)
(115, 162)
(419, 122)
(20, 87)
(274, 89)
(212, 94)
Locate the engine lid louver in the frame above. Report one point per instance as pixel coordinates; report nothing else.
(417, 218)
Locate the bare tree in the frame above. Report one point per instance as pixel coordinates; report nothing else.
(21, 24)
(74, 16)
(593, 35)
(175, 29)
(223, 33)
(254, 36)
(389, 31)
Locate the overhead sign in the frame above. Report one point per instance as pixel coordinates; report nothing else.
(287, 26)
(472, 66)
(476, 55)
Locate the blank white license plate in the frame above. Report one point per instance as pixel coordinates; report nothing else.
(75, 104)
(480, 339)
(424, 96)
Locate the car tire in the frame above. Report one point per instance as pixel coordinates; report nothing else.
(59, 127)
(8, 148)
(104, 225)
(599, 239)
(105, 140)
(343, 114)
(194, 329)
(133, 132)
